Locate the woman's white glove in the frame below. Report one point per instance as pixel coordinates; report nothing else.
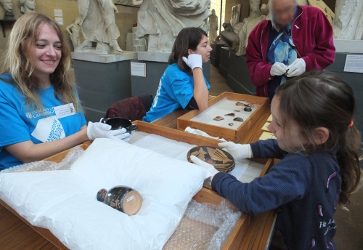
(238, 151)
(102, 130)
(297, 68)
(205, 165)
(278, 69)
(194, 61)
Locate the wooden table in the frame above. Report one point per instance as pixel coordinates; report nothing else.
(15, 234)
(261, 227)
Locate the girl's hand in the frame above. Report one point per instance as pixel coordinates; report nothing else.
(205, 165)
(238, 151)
(194, 61)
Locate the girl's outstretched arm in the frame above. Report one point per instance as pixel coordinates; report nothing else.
(267, 149)
(286, 181)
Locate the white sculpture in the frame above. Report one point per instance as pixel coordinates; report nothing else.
(7, 4)
(236, 33)
(126, 2)
(248, 25)
(236, 13)
(348, 22)
(162, 20)
(99, 25)
(213, 27)
(27, 6)
(74, 31)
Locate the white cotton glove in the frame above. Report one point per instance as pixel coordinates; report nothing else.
(238, 151)
(194, 61)
(205, 165)
(297, 68)
(278, 69)
(102, 130)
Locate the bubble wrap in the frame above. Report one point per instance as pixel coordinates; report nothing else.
(204, 226)
(65, 164)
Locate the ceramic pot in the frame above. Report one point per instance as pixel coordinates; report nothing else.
(119, 123)
(122, 198)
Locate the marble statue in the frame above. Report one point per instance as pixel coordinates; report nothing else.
(236, 13)
(161, 20)
(8, 6)
(248, 25)
(74, 31)
(236, 33)
(213, 27)
(126, 2)
(348, 22)
(99, 25)
(27, 6)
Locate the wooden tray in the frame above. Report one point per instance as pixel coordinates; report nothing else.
(236, 238)
(223, 132)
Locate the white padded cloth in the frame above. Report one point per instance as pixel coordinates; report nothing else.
(65, 201)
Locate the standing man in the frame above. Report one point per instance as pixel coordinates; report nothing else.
(292, 40)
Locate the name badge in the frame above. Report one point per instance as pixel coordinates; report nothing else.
(64, 110)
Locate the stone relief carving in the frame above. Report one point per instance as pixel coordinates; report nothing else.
(161, 20)
(99, 25)
(348, 22)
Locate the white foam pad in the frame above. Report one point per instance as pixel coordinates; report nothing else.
(65, 201)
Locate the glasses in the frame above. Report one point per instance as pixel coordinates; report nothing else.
(287, 10)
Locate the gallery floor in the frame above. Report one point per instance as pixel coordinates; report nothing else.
(218, 84)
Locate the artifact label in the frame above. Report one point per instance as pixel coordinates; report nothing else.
(58, 12)
(138, 69)
(130, 199)
(59, 20)
(354, 63)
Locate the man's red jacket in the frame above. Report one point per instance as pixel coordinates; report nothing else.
(312, 34)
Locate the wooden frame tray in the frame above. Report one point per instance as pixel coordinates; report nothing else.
(235, 240)
(224, 132)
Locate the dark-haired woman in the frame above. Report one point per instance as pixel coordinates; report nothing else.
(183, 83)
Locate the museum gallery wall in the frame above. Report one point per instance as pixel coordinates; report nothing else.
(124, 19)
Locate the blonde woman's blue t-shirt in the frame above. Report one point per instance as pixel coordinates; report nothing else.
(176, 89)
(19, 123)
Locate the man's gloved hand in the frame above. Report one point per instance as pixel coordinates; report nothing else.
(205, 165)
(297, 68)
(278, 69)
(102, 130)
(238, 151)
(194, 61)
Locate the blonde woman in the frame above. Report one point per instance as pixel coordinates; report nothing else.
(40, 112)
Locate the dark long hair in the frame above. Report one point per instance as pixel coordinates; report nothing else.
(322, 99)
(188, 38)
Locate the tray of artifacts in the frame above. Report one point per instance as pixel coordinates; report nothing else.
(229, 116)
(70, 217)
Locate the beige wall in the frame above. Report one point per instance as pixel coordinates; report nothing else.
(70, 11)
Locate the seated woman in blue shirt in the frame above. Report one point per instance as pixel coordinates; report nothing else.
(183, 83)
(40, 112)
